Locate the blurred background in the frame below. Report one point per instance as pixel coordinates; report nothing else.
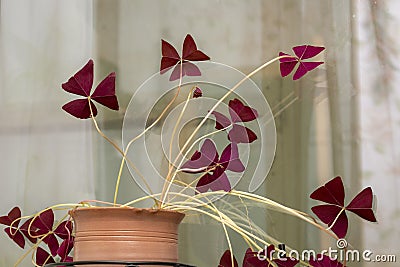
(341, 119)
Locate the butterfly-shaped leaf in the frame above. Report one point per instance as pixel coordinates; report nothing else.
(334, 212)
(43, 257)
(201, 160)
(13, 231)
(65, 248)
(324, 261)
(207, 161)
(44, 224)
(171, 58)
(239, 113)
(302, 52)
(226, 260)
(81, 84)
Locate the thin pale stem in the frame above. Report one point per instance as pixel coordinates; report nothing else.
(170, 179)
(117, 148)
(171, 166)
(140, 135)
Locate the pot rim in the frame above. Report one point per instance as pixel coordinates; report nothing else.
(127, 208)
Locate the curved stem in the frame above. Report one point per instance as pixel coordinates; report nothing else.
(211, 110)
(139, 136)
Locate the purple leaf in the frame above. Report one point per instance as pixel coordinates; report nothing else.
(302, 52)
(79, 108)
(81, 84)
(362, 205)
(170, 58)
(332, 192)
(31, 232)
(105, 93)
(240, 134)
(207, 156)
(221, 121)
(42, 257)
(220, 181)
(230, 159)
(190, 51)
(82, 81)
(12, 220)
(241, 113)
(226, 260)
(328, 214)
(334, 213)
(188, 69)
(238, 113)
(307, 51)
(207, 161)
(16, 236)
(65, 248)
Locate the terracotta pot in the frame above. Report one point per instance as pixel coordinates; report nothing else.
(126, 234)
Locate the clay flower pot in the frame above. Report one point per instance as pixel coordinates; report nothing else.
(126, 234)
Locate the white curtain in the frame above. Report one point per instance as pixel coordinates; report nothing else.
(46, 155)
(343, 119)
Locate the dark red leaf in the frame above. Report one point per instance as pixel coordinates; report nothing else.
(328, 214)
(334, 213)
(31, 232)
(241, 113)
(230, 159)
(305, 67)
(188, 69)
(81, 84)
(241, 134)
(79, 108)
(42, 257)
(12, 220)
(52, 243)
(170, 58)
(287, 64)
(307, 51)
(64, 230)
(105, 93)
(207, 156)
(287, 262)
(167, 63)
(207, 161)
(44, 222)
(82, 81)
(248, 258)
(238, 113)
(214, 182)
(220, 181)
(302, 52)
(362, 205)
(65, 248)
(13, 214)
(226, 260)
(190, 51)
(168, 51)
(332, 192)
(16, 236)
(221, 121)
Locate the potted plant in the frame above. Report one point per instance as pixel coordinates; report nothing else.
(203, 165)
